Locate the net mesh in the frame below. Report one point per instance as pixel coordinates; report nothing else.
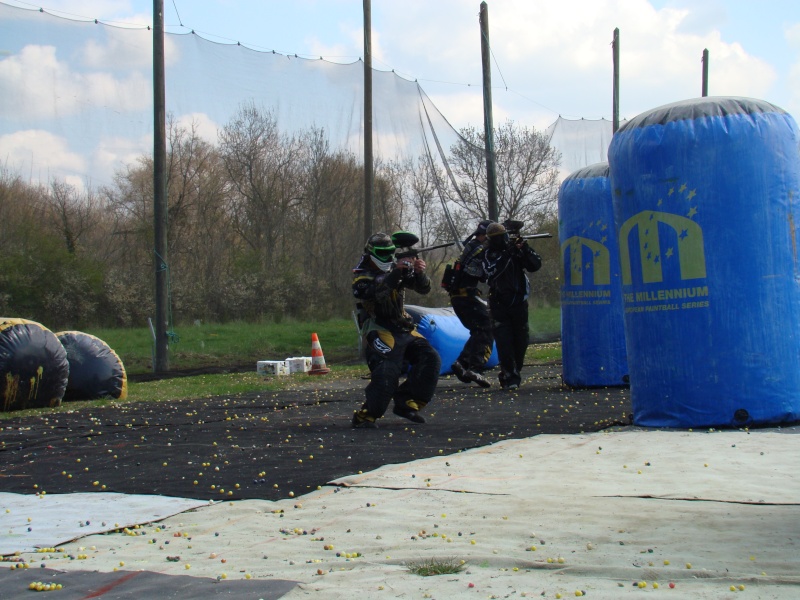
(76, 113)
(581, 142)
(77, 96)
(77, 99)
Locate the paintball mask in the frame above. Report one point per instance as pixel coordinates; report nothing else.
(381, 250)
(497, 236)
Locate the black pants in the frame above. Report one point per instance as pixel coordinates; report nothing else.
(387, 356)
(473, 313)
(510, 327)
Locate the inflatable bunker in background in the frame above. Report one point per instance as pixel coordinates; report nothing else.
(95, 370)
(592, 317)
(33, 366)
(443, 329)
(707, 204)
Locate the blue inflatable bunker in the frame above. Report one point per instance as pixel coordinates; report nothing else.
(706, 195)
(592, 320)
(443, 329)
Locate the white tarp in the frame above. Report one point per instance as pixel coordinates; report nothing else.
(714, 513)
(47, 520)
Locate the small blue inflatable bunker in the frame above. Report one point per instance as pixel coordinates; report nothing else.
(443, 329)
(706, 199)
(33, 366)
(592, 323)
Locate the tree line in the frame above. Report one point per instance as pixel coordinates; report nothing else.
(261, 225)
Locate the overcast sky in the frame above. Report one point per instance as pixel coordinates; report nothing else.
(548, 58)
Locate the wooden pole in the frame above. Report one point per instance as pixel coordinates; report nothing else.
(488, 126)
(615, 109)
(368, 163)
(705, 72)
(161, 358)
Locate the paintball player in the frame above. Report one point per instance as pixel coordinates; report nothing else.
(505, 262)
(471, 309)
(390, 334)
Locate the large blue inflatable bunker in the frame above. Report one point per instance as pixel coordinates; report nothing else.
(706, 195)
(592, 323)
(443, 329)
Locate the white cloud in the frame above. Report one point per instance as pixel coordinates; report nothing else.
(37, 85)
(462, 108)
(558, 55)
(118, 52)
(341, 53)
(113, 153)
(39, 155)
(793, 85)
(203, 125)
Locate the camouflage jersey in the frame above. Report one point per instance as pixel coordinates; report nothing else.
(471, 272)
(380, 296)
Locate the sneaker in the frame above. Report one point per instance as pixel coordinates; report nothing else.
(409, 414)
(460, 372)
(511, 387)
(361, 423)
(478, 378)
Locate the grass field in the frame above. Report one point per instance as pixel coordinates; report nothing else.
(204, 346)
(236, 344)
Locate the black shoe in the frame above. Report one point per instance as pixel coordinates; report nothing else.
(460, 372)
(359, 423)
(409, 414)
(511, 387)
(478, 378)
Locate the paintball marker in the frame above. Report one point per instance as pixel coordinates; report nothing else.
(406, 239)
(514, 229)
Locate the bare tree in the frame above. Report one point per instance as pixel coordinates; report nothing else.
(72, 215)
(258, 161)
(527, 174)
(201, 240)
(325, 221)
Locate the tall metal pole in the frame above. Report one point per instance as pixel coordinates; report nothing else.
(368, 166)
(161, 359)
(615, 109)
(705, 72)
(488, 127)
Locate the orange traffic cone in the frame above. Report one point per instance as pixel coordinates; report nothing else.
(317, 359)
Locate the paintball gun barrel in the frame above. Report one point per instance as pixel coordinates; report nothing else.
(533, 236)
(417, 251)
(405, 239)
(514, 227)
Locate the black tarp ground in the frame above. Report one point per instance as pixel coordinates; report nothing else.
(277, 445)
(135, 585)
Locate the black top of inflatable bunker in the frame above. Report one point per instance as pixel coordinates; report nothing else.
(600, 169)
(709, 106)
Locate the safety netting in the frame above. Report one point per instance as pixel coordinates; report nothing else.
(581, 142)
(265, 157)
(77, 101)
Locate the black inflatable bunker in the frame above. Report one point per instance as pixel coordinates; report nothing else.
(95, 370)
(33, 365)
